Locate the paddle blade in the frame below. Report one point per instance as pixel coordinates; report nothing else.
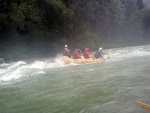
(144, 106)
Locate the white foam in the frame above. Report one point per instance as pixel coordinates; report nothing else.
(118, 54)
(17, 70)
(11, 76)
(38, 65)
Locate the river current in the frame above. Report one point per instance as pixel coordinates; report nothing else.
(49, 86)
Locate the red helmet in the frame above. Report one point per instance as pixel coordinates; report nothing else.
(86, 49)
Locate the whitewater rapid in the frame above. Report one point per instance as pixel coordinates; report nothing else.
(12, 72)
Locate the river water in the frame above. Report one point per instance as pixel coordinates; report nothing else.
(49, 86)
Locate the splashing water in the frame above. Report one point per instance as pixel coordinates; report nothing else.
(16, 70)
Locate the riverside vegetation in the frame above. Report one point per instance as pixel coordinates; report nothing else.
(40, 28)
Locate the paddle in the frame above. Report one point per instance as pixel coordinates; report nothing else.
(144, 106)
(81, 54)
(80, 51)
(82, 57)
(101, 54)
(92, 55)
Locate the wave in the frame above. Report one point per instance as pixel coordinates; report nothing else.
(14, 71)
(118, 54)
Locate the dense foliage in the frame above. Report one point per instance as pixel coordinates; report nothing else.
(34, 28)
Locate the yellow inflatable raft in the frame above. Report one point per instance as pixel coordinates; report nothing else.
(68, 60)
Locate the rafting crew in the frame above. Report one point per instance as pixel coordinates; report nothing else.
(76, 54)
(99, 53)
(66, 51)
(86, 53)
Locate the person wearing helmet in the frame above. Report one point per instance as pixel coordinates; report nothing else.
(99, 53)
(86, 53)
(76, 54)
(66, 51)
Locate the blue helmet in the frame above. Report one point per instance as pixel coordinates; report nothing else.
(76, 49)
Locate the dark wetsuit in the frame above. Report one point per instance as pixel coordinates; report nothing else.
(99, 54)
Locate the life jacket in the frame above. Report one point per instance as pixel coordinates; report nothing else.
(75, 54)
(98, 54)
(65, 52)
(86, 53)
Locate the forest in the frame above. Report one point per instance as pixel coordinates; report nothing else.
(32, 29)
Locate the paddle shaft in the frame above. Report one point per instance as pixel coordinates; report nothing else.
(80, 51)
(92, 55)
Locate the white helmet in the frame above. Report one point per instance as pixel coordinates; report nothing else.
(66, 46)
(100, 48)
